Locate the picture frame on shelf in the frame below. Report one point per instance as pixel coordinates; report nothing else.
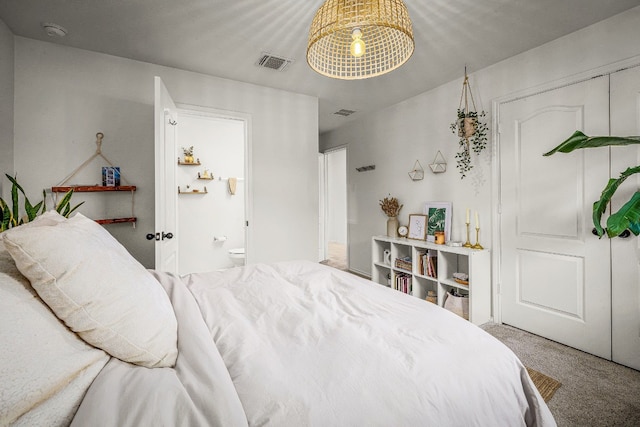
(438, 219)
(417, 226)
(111, 176)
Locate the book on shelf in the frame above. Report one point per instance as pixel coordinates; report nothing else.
(403, 283)
(428, 264)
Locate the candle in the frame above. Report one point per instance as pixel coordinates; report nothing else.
(477, 223)
(467, 215)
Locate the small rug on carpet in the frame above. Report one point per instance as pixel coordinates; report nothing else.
(546, 385)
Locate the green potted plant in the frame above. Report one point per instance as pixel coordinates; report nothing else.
(10, 215)
(628, 216)
(471, 130)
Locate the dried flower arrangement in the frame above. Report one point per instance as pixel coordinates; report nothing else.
(390, 206)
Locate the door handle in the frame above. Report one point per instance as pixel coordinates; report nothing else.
(159, 236)
(626, 233)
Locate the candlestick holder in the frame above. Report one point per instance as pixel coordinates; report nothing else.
(477, 245)
(467, 244)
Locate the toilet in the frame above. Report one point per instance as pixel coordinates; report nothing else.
(237, 256)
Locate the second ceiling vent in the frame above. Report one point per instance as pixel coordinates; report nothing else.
(344, 113)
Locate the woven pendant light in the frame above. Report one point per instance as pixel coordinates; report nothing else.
(357, 39)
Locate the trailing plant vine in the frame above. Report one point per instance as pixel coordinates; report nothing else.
(471, 130)
(476, 142)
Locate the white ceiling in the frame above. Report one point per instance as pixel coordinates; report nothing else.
(225, 38)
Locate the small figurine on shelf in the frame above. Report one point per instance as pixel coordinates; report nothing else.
(205, 175)
(188, 154)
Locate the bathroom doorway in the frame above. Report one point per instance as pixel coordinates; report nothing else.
(212, 197)
(333, 187)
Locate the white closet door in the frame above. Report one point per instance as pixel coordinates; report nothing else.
(554, 273)
(166, 191)
(625, 253)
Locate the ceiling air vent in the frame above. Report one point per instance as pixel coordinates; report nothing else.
(273, 62)
(344, 112)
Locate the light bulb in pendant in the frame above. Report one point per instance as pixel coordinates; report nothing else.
(357, 45)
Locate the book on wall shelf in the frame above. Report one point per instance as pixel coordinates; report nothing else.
(403, 283)
(428, 265)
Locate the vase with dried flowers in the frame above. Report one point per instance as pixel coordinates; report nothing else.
(391, 209)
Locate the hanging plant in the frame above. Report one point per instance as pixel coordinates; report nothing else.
(472, 131)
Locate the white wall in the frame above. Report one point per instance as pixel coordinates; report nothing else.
(6, 107)
(63, 96)
(219, 145)
(417, 128)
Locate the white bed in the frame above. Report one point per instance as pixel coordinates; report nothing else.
(286, 344)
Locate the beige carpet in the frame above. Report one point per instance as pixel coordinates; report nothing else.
(595, 392)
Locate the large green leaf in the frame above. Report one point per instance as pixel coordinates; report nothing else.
(600, 206)
(580, 140)
(15, 213)
(5, 220)
(44, 202)
(73, 209)
(628, 217)
(64, 207)
(29, 209)
(64, 203)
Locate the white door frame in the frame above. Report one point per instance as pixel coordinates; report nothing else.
(165, 111)
(496, 176)
(325, 194)
(322, 203)
(246, 119)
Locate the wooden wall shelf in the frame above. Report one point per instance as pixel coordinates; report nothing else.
(92, 188)
(116, 220)
(100, 189)
(192, 192)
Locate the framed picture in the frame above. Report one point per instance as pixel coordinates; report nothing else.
(438, 219)
(111, 176)
(417, 226)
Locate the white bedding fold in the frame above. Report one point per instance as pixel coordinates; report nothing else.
(308, 345)
(197, 392)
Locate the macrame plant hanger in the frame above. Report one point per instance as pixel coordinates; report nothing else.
(464, 96)
(98, 153)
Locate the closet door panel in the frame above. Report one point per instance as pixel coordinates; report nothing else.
(554, 273)
(625, 252)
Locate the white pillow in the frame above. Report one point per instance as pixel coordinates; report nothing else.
(45, 369)
(97, 288)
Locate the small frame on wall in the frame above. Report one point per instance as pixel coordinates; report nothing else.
(439, 219)
(417, 226)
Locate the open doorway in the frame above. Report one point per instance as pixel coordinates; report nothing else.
(333, 185)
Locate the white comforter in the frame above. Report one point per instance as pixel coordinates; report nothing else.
(301, 344)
